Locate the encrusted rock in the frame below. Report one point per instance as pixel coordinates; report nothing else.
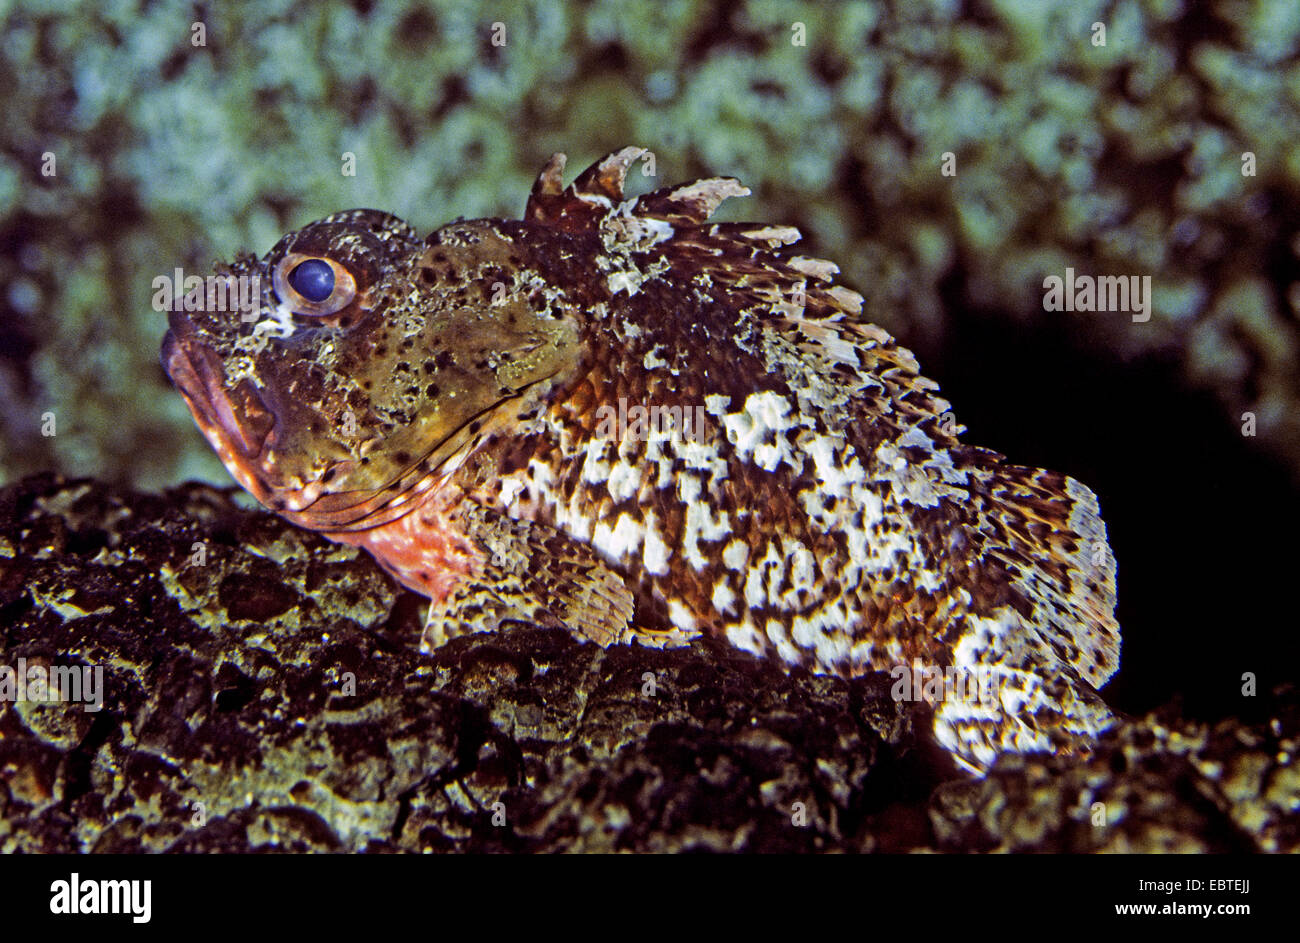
(262, 690)
(1158, 784)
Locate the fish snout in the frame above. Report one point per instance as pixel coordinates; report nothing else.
(239, 417)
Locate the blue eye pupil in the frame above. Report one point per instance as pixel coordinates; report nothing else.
(313, 279)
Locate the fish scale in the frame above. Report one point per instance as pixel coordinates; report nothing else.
(482, 411)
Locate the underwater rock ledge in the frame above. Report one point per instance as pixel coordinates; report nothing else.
(261, 691)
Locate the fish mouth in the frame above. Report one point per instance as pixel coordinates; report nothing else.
(237, 426)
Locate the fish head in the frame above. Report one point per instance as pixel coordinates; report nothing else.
(363, 364)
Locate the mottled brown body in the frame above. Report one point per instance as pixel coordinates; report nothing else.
(471, 408)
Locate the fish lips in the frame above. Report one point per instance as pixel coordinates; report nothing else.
(240, 418)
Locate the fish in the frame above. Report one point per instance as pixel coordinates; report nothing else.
(618, 417)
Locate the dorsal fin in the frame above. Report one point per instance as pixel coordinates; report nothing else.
(690, 203)
(580, 205)
(549, 182)
(753, 261)
(598, 190)
(605, 177)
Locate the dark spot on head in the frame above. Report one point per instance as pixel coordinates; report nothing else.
(428, 276)
(432, 390)
(402, 458)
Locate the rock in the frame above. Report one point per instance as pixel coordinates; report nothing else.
(261, 690)
(1158, 784)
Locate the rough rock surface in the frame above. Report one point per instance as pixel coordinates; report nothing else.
(231, 642)
(1159, 784)
(262, 692)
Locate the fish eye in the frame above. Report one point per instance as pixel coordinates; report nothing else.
(313, 279)
(313, 285)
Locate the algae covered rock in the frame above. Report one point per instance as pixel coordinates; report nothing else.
(260, 689)
(254, 687)
(1160, 783)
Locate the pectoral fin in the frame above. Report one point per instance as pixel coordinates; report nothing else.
(534, 573)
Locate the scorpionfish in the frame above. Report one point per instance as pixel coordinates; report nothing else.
(617, 417)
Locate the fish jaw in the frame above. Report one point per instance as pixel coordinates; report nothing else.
(238, 432)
